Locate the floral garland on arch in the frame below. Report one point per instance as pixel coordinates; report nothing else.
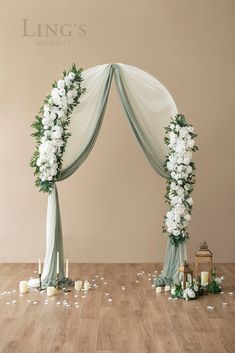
(181, 170)
(51, 125)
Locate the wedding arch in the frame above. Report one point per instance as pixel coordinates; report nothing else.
(149, 108)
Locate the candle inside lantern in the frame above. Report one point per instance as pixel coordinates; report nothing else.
(23, 287)
(58, 263)
(158, 290)
(78, 285)
(51, 291)
(204, 277)
(67, 269)
(167, 288)
(86, 286)
(39, 266)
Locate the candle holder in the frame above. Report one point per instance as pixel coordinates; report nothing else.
(66, 289)
(57, 280)
(40, 282)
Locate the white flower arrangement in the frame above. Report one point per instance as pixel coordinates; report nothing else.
(51, 127)
(181, 171)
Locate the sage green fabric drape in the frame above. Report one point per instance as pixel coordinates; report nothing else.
(54, 229)
(175, 255)
(151, 146)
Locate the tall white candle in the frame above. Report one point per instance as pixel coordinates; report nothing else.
(58, 263)
(39, 266)
(67, 269)
(204, 277)
(23, 287)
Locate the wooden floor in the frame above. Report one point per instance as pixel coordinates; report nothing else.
(112, 320)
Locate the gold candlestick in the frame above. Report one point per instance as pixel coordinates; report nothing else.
(40, 282)
(66, 289)
(57, 280)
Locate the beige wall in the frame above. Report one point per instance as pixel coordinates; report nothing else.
(113, 206)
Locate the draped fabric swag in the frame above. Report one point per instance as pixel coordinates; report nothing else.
(148, 106)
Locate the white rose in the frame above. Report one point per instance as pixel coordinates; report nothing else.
(64, 103)
(218, 280)
(190, 201)
(173, 291)
(191, 293)
(46, 108)
(180, 146)
(61, 92)
(187, 217)
(39, 162)
(179, 209)
(176, 232)
(172, 126)
(183, 132)
(60, 84)
(71, 76)
(189, 169)
(187, 157)
(67, 81)
(191, 129)
(170, 166)
(190, 143)
(56, 132)
(55, 96)
(175, 200)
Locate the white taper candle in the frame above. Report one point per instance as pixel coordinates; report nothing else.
(39, 266)
(67, 269)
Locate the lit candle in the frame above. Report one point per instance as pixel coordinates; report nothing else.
(86, 286)
(39, 266)
(78, 285)
(204, 277)
(167, 288)
(67, 269)
(58, 263)
(23, 287)
(51, 291)
(158, 290)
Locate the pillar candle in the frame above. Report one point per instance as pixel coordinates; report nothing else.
(23, 287)
(167, 288)
(78, 285)
(86, 286)
(158, 290)
(67, 269)
(51, 291)
(204, 277)
(58, 263)
(39, 266)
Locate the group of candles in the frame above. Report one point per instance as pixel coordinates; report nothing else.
(204, 281)
(51, 291)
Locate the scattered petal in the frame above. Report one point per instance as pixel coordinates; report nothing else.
(231, 293)
(225, 303)
(35, 302)
(210, 307)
